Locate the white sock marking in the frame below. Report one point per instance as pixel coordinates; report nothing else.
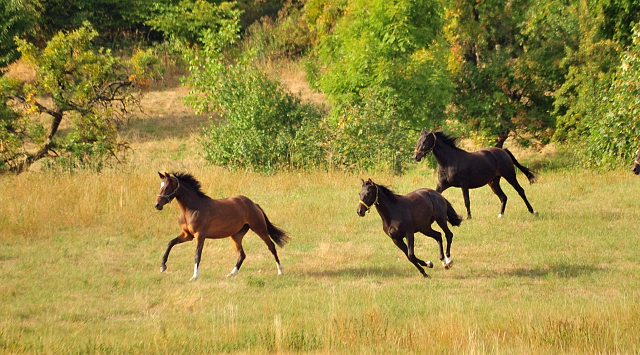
(195, 273)
(233, 272)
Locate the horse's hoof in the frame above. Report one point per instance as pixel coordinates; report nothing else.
(500, 215)
(535, 213)
(193, 278)
(163, 268)
(426, 276)
(233, 272)
(447, 263)
(429, 264)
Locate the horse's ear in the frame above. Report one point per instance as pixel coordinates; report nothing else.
(370, 181)
(161, 176)
(362, 182)
(423, 131)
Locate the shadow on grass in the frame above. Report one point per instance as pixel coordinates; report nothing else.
(565, 271)
(360, 272)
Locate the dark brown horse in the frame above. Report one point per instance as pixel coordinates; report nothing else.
(636, 164)
(202, 217)
(470, 170)
(404, 215)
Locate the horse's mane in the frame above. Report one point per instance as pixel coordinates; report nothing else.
(450, 141)
(190, 181)
(388, 192)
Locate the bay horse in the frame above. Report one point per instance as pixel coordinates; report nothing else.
(404, 215)
(202, 217)
(636, 164)
(470, 170)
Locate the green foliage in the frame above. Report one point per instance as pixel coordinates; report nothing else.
(386, 47)
(371, 135)
(113, 19)
(506, 66)
(619, 19)
(323, 15)
(186, 21)
(287, 37)
(18, 18)
(92, 88)
(261, 119)
(613, 136)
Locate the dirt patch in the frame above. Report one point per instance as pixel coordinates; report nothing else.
(21, 71)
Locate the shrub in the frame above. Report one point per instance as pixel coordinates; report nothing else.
(261, 120)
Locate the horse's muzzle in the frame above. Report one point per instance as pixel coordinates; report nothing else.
(158, 206)
(417, 156)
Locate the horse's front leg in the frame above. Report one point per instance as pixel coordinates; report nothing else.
(415, 261)
(183, 237)
(199, 246)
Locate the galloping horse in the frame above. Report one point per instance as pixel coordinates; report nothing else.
(202, 217)
(470, 170)
(636, 164)
(404, 215)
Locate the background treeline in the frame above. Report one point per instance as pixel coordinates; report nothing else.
(534, 71)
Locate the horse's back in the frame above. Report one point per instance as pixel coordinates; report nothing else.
(423, 201)
(226, 216)
(427, 206)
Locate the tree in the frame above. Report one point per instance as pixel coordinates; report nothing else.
(614, 136)
(186, 21)
(387, 47)
(18, 17)
(507, 66)
(90, 88)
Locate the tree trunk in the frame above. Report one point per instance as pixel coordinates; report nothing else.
(48, 143)
(501, 138)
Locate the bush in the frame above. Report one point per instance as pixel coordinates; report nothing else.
(261, 120)
(613, 137)
(370, 134)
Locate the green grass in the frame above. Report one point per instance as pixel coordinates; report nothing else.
(80, 257)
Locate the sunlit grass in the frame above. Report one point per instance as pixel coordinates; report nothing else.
(79, 269)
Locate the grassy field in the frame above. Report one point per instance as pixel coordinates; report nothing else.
(80, 262)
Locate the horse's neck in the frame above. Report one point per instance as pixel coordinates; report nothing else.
(446, 154)
(188, 200)
(384, 206)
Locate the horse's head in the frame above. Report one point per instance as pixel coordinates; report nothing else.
(426, 143)
(168, 190)
(368, 197)
(636, 164)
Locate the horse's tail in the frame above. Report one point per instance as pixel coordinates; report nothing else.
(454, 218)
(279, 236)
(527, 172)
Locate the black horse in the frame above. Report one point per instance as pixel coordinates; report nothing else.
(404, 215)
(636, 164)
(470, 170)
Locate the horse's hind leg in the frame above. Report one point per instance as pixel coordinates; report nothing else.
(467, 202)
(495, 186)
(414, 260)
(236, 241)
(447, 262)
(264, 234)
(511, 179)
(183, 237)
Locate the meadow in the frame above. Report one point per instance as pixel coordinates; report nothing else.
(80, 263)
